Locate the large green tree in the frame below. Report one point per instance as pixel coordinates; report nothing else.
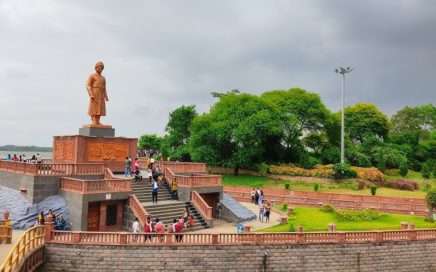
(235, 132)
(150, 141)
(363, 119)
(301, 113)
(178, 132)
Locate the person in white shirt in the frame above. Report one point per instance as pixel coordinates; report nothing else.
(135, 226)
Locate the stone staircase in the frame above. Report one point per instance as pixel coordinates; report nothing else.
(142, 190)
(167, 208)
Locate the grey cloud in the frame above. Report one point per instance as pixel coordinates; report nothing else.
(161, 54)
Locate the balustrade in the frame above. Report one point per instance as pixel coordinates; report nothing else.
(116, 238)
(95, 186)
(27, 254)
(52, 169)
(201, 205)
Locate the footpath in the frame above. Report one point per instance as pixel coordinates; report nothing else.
(5, 248)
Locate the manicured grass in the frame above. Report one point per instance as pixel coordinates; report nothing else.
(246, 181)
(342, 187)
(313, 219)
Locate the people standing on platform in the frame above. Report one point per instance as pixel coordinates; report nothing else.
(41, 218)
(9, 157)
(267, 211)
(186, 216)
(261, 211)
(261, 197)
(135, 226)
(154, 191)
(127, 167)
(149, 175)
(256, 196)
(159, 228)
(253, 195)
(148, 229)
(177, 228)
(52, 215)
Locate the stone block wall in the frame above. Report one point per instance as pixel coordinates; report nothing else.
(386, 256)
(37, 187)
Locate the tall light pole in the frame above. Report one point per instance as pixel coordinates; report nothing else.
(343, 71)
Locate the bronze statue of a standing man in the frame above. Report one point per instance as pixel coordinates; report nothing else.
(96, 86)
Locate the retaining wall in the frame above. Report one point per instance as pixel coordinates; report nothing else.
(386, 256)
(347, 201)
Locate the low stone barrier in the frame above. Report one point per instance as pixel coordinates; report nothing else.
(346, 201)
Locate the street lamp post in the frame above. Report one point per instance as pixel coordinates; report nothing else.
(343, 71)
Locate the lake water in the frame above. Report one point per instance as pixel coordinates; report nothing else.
(28, 155)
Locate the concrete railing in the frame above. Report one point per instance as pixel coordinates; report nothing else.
(191, 180)
(138, 209)
(28, 252)
(52, 169)
(202, 207)
(84, 186)
(183, 167)
(120, 238)
(344, 201)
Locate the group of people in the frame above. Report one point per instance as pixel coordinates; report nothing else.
(154, 175)
(155, 226)
(36, 158)
(59, 221)
(258, 198)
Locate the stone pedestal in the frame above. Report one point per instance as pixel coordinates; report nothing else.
(89, 147)
(97, 131)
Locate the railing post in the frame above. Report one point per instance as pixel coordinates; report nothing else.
(123, 238)
(300, 235)
(76, 237)
(214, 238)
(412, 235)
(49, 226)
(379, 236)
(341, 237)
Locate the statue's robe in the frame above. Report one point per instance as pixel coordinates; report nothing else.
(97, 86)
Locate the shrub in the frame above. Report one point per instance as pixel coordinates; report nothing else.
(316, 187)
(322, 171)
(287, 186)
(357, 215)
(309, 162)
(402, 184)
(373, 190)
(343, 171)
(371, 174)
(427, 187)
(327, 208)
(263, 168)
(285, 207)
(427, 169)
(291, 228)
(404, 169)
(430, 198)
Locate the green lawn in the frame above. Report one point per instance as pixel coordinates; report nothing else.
(345, 187)
(313, 219)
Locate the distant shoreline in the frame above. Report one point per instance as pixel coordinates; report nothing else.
(17, 148)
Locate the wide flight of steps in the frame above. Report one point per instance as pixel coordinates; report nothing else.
(142, 190)
(170, 210)
(167, 208)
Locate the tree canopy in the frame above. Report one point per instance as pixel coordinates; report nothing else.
(294, 126)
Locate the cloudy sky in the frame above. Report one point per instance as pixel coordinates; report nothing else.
(162, 54)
